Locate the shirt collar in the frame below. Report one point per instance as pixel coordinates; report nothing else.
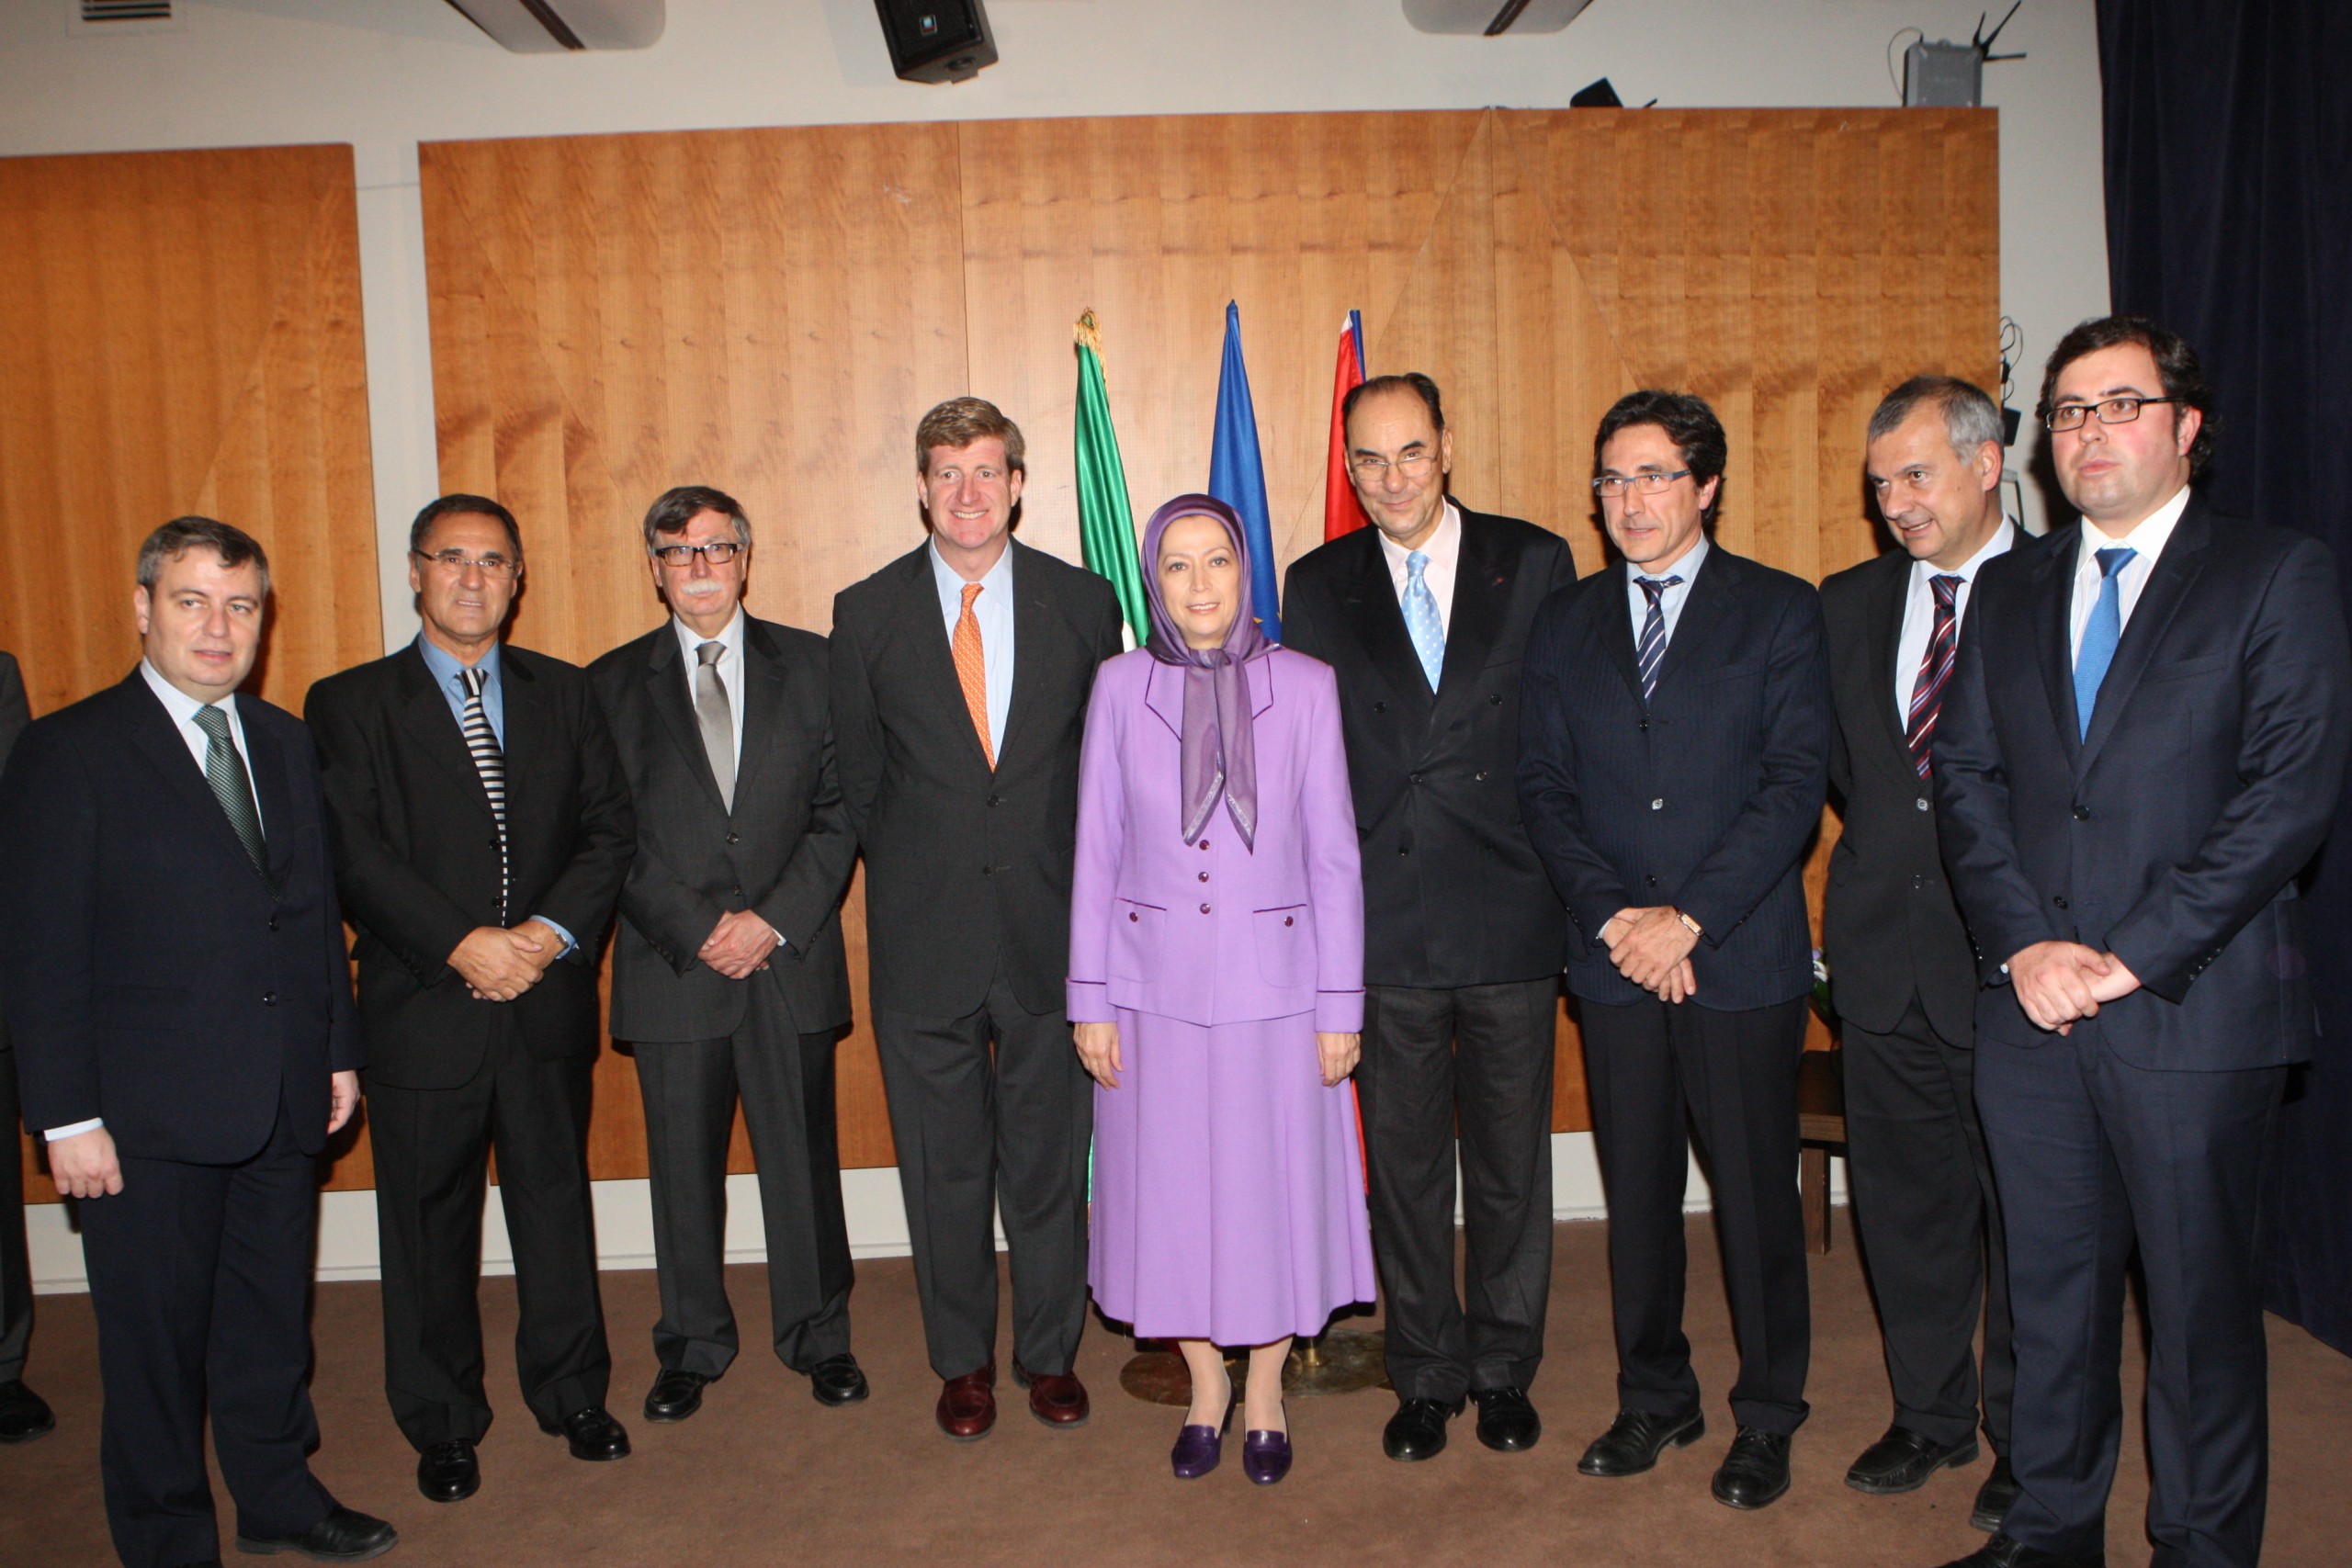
(731, 636)
(444, 666)
(998, 582)
(2004, 538)
(1687, 568)
(1443, 544)
(178, 703)
(2147, 536)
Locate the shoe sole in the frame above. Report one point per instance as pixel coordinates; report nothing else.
(1986, 1520)
(1952, 1460)
(1682, 1438)
(272, 1548)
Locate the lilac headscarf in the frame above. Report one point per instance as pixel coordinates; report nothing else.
(1219, 756)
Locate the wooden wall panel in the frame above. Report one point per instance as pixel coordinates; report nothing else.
(180, 333)
(770, 310)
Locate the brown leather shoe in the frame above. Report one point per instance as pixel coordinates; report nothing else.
(967, 1405)
(1057, 1401)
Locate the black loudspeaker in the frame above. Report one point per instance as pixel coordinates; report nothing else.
(936, 40)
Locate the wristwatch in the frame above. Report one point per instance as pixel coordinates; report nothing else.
(1693, 926)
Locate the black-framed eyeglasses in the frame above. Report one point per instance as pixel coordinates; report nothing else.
(718, 552)
(492, 565)
(2110, 411)
(1649, 481)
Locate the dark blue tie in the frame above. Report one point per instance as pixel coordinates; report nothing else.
(1651, 650)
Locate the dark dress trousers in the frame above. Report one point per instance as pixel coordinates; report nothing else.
(1904, 978)
(207, 1047)
(16, 1266)
(451, 1078)
(2170, 836)
(1703, 799)
(703, 1042)
(1463, 943)
(967, 928)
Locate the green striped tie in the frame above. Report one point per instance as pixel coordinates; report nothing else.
(225, 770)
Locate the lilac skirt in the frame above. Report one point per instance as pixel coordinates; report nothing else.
(1228, 1184)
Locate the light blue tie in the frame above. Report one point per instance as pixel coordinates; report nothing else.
(2100, 634)
(1421, 621)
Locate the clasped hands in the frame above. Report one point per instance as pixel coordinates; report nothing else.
(1651, 947)
(2059, 983)
(738, 944)
(1097, 1052)
(499, 963)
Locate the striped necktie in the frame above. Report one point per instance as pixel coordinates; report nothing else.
(224, 770)
(1651, 652)
(489, 761)
(1935, 670)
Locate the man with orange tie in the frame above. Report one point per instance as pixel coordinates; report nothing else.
(960, 677)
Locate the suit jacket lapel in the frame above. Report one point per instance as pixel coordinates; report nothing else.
(1373, 614)
(1706, 611)
(159, 738)
(1885, 605)
(1481, 582)
(270, 793)
(2054, 583)
(762, 700)
(424, 715)
(926, 625)
(666, 686)
(2169, 582)
(1033, 627)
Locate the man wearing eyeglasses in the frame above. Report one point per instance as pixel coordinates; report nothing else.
(729, 976)
(2143, 747)
(1425, 617)
(1674, 756)
(482, 825)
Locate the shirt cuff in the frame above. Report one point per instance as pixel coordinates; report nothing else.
(781, 939)
(57, 1134)
(570, 946)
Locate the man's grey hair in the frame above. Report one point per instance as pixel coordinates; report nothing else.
(674, 509)
(1971, 419)
(181, 535)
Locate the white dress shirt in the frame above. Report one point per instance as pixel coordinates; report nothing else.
(1669, 602)
(992, 608)
(1919, 612)
(730, 668)
(2148, 539)
(1443, 548)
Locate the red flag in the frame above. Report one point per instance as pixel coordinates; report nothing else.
(1342, 512)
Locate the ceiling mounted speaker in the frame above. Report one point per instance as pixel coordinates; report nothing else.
(936, 40)
(551, 26)
(1493, 18)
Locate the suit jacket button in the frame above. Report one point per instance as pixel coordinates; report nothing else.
(984, 870)
(1416, 778)
(739, 893)
(1495, 699)
(1286, 919)
(1205, 908)
(494, 840)
(1645, 727)
(1658, 804)
(273, 923)
(1651, 880)
(2060, 900)
(1379, 707)
(994, 799)
(1133, 916)
(1204, 843)
(269, 999)
(2081, 814)
(1204, 876)
(734, 838)
(1917, 881)
(1482, 775)
(1920, 803)
(1404, 849)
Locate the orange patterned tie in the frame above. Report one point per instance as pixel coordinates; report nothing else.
(972, 669)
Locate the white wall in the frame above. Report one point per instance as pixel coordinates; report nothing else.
(384, 74)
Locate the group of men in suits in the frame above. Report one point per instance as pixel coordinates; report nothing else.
(2069, 998)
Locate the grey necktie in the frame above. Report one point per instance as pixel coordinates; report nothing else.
(232, 785)
(716, 720)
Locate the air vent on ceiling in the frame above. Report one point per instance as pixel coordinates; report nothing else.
(113, 16)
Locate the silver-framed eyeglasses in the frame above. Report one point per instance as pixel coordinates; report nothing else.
(1371, 469)
(2110, 411)
(492, 565)
(1649, 481)
(718, 552)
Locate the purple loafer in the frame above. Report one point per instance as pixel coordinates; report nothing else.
(1198, 1448)
(1265, 1456)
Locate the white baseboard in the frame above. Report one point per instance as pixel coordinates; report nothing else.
(876, 1214)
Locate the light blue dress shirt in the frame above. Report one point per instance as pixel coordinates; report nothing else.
(449, 675)
(994, 611)
(1669, 602)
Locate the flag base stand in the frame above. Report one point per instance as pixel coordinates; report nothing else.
(1335, 1361)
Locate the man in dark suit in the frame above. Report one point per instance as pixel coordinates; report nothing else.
(24, 1415)
(1425, 616)
(481, 828)
(180, 1000)
(728, 975)
(1901, 969)
(2143, 746)
(960, 674)
(1674, 757)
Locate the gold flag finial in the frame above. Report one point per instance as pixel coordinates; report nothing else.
(1089, 335)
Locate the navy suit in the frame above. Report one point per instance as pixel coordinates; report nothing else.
(2171, 836)
(207, 1045)
(1703, 797)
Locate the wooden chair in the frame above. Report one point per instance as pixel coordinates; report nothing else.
(1821, 1126)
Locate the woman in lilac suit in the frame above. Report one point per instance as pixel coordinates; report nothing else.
(1217, 984)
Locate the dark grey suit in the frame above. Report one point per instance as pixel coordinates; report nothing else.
(967, 926)
(1905, 980)
(15, 1267)
(703, 1040)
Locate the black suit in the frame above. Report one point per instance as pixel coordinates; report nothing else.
(451, 1077)
(208, 1053)
(1703, 799)
(15, 1267)
(703, 1040)
(1462, 941)
(1904, 978)
(2170, 836)
(968, 928)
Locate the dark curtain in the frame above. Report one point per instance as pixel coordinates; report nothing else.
(2229, 219)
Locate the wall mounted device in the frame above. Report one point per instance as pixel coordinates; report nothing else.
(1944, 75)
(1492, 18)
(937, 41)
(555, 27)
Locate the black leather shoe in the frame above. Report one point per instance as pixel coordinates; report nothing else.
(1902, 1459)
(1634, 1440)
(2002, 1553)
(448, 1472)
(592, 1433)
(1993, 1498)
(837, 1380)
(1755, 1473)
(24, 1415)
(1507, 1422)
(346, 1534)
(675, 1394)
(1418, 1429)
